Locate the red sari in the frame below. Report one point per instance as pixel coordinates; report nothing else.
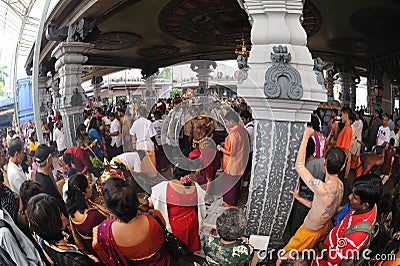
(182, 214)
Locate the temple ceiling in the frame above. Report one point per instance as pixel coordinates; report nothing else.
(156, 33)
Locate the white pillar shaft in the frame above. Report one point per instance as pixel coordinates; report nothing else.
(96, 92)
(42, 95)
(345, 82)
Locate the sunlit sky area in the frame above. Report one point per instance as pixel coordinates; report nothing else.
(19, 20)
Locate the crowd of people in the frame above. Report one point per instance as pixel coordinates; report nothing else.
(92, 210)
(343, 167)
(63, 209)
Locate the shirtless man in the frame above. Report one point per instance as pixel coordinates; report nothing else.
(327, 198)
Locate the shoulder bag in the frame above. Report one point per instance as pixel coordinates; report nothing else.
(175, 247)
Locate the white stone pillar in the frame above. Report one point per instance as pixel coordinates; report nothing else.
(150, 94)
(282, 91)
(329, 84)
(43, 108)
(345, 82)
(96, 86)
(70, 57)
(203, 70)
(96, 91)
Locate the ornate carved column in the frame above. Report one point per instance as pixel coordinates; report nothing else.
(56, 93)
(150, 94)
(282, 91)
(70, 57)
(42, 96)
(96, 85)
(344, 80)
(203, 70)
(329, 84)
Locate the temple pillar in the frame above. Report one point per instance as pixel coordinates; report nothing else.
(329, 84)
(96, 86)
(150, 94)
(344, 80)
(282, 91)
(70, 57)
(203, 70)
(42, 85)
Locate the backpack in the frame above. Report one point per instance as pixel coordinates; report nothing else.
(5, 258)
(366, 227)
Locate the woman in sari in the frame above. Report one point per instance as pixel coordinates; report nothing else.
(95, 135)
(181, 202)
(131, 239)
(84, 215)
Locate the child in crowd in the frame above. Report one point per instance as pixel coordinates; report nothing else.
(228, 249)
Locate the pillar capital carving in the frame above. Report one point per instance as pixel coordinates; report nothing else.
(203, 68)
(71, 53)
(285, 13)
(265, 36)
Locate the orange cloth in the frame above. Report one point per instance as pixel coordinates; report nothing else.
(305, 238)
(148, 164)
(149, 245)
(237, 143)
(344, 138)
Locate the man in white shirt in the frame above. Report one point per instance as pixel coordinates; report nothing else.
(383, 136)
(143, 135)
(59, 138)
(116, 137)
(16, 175)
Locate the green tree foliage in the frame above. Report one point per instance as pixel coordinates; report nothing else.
(3, 75)
(166, 73)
